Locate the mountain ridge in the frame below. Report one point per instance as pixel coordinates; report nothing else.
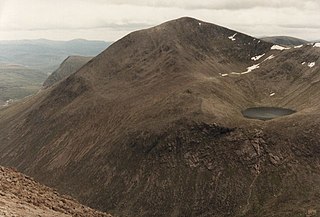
(70, 65)
(285, 40)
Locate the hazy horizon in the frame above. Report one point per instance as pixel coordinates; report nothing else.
(47, 39)
(110, 41)
(109, 20)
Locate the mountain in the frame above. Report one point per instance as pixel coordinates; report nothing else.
(20, 195)
(66, 68)
(153, 126)
(285, 40)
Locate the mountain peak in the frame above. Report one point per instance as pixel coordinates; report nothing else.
(184, 20)
(174, 45)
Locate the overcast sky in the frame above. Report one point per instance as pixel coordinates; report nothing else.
(111, 19)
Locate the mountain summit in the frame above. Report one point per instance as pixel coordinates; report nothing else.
(153, 126)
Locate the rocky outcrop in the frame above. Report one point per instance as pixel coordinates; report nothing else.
(21, 196)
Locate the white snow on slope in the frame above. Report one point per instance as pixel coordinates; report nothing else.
(200, 24)
(269, 58)
(224, 75)
(298, 46)
(250, 69)
(235, 73)
(232, 37)
(272, 94)
(316, 45)
(312, 64)
(278, 47)
(257, 57)
(303, 63)
(8, 102)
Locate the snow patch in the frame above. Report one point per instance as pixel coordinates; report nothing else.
(312, 64)
(224, 75)
(316, 45)
(235, 73)
(278, 47)
(298, 46)
(250, 69)
(200, 24)
(272, 94)
(8, 102)
(303, 63)
(269, 58)
(257, 57)
(232, 37)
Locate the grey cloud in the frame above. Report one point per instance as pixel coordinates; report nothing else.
(301, 26)
(114, 18)
(118, 27)
(127, 26)
(218, 4)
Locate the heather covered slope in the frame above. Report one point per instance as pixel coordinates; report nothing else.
(20, 195)
(153, 126)
(66, 68)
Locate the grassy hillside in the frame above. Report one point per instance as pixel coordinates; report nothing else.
(17, 81)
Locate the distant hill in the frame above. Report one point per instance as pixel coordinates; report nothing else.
(67, 67)
(25, 64)
(285, 40)
(46, 55)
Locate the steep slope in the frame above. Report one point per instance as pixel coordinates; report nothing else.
(20, 195)
(66, 68)
(153, 126)
(285, 40)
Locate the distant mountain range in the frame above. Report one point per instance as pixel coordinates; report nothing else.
(285, 40)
